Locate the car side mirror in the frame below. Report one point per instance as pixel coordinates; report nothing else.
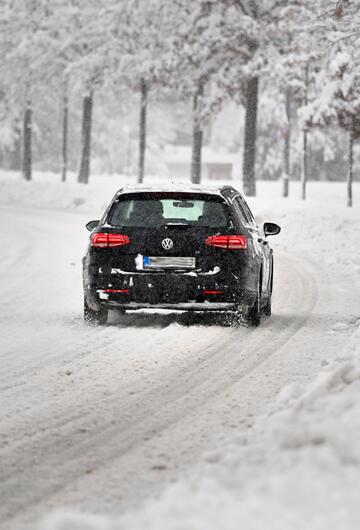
(91, 225)
(271, 229)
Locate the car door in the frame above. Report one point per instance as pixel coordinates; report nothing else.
(260, 242)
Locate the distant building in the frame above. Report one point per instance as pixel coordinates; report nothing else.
(215, 165)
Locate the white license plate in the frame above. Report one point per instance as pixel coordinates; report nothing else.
(168, 262)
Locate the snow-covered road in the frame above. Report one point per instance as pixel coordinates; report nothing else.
(104, 418)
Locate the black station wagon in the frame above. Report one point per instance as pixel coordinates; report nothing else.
(188, 249)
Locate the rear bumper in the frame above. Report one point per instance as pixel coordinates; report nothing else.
(181, 306)
(185, 295)
(215, 290)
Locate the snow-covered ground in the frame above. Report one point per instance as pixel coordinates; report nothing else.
(160, 422)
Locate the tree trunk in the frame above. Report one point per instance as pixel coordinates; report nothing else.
(350, 170)
(86, 139)
(304, 160)
(287, 140)
(304, 165)
(249, 180)
(142, 130)
(197, 140)
(64, 150)
(27, 139)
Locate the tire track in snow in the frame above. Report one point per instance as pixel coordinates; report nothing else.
(185, 397)
(50, 440)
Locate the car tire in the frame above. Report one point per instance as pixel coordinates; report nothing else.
(267, 307)
(253, 316)
(95, 317)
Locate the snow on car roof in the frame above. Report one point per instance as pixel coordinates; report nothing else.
(172, 187)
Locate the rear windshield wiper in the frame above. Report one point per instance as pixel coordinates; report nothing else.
(174, 224)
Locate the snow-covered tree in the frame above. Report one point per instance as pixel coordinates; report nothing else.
(338, 101)
(23, 66)
(207, 47)
(138, 57)
(338, 81)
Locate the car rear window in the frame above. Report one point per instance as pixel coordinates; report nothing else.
(156, 209)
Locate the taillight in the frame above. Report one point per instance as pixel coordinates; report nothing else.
(109, 240)
(229, 242)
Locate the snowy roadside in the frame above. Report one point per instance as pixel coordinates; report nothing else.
(47, 192)
(322, 226)
(298, 466)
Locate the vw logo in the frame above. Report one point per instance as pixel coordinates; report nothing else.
(167, 243)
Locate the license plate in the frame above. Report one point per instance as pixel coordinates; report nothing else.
(168, 262)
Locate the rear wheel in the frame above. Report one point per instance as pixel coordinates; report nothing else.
(253, 315)
(95, 317)
(254, 312)
(267, 307)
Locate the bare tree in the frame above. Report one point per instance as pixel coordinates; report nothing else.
(142, 130)
(287, 143)
(197, 138)
(84, 172)
(249, 180)
(64, 149)
(27, 143)
(304, 158)
(350, 165)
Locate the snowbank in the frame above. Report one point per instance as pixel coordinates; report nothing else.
(297, 468)
(46, 191)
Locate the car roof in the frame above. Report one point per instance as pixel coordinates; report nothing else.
(177, 187)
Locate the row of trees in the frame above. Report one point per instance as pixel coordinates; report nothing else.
(209, 52)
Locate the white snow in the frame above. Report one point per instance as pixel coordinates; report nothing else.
(139, 262)
(298, 467)
(151, 422)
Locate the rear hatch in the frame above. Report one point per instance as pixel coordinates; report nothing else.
(167, 232)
